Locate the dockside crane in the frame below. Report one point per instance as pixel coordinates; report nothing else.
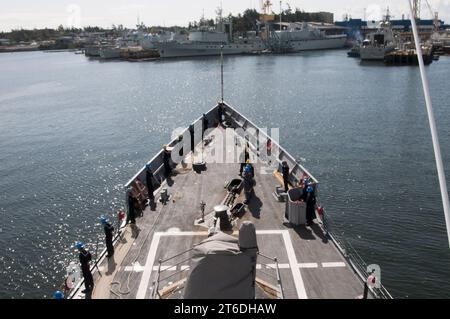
(435, 16)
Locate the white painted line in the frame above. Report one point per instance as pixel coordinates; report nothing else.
(164, 268)
(308, 265)
(155, 268)
(284, 266)
(200, 233)
(280, 266)
(334, 265)
(181, 233)
(298, 280)
(270, 232)
(134, 268)
(148, 267)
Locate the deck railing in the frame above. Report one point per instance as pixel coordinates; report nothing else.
(274, 267)
(166, 272)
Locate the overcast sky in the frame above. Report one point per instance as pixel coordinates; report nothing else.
(51, 13)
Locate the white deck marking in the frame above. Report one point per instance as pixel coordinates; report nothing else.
(280, 266)
(334, 265)
(298, 280)
(183, 233)
(258, 266)
(270, 232)
(148, 266)
(134, 268)
(308, 265)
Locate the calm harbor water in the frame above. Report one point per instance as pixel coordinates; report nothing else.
(73, 131)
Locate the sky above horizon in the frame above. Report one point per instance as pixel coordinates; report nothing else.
(30, 14)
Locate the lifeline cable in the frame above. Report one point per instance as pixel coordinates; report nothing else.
(431, 119)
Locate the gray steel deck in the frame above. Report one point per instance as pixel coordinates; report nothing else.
(311, 266)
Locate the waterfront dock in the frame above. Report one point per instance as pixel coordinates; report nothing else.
(407, 57)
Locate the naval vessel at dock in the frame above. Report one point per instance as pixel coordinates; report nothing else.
(201, 239)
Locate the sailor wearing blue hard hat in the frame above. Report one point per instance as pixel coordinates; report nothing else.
(249, 183)
(109, 234)
(310, 205)
(58, 295)
(249, 169)
(85, 258)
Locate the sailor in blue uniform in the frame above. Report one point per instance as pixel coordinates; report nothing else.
(85, 259)
(249, 183)
(131, 217)
(285, 173)
(149, 181)
(109, 234)
(310, 205)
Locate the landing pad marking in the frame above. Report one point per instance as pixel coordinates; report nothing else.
(293, 264)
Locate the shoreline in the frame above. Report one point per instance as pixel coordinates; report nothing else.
(34, 49)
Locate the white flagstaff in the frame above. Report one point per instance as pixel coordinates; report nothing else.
(434, 132)
(221, 72)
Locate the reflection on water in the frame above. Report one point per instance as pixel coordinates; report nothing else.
(73, 130)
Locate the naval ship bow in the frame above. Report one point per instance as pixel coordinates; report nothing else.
(200, 238)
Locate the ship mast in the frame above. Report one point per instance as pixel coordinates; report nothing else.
(281, 14)
(432, 121)
(221, 73)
